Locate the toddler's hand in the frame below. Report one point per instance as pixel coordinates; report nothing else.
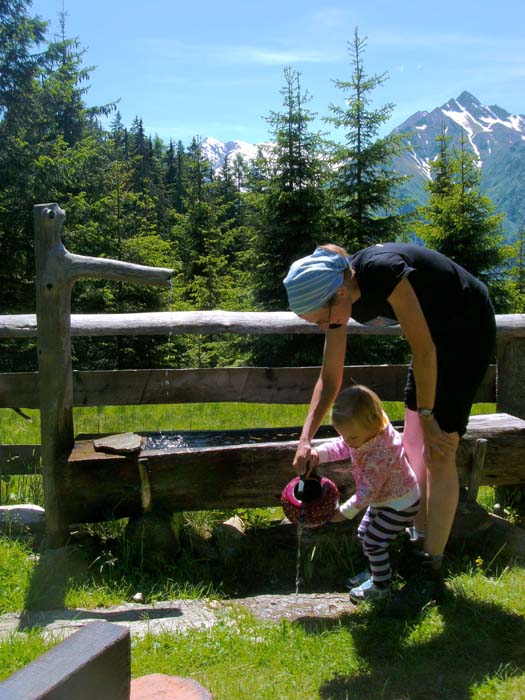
(338, 517)
(314, 457)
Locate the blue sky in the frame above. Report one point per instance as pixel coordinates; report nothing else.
(212, 68)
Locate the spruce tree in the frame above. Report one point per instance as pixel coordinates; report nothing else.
(21, 38)
(517, 273)
(460, 221)
(365, 203)
(288, 194)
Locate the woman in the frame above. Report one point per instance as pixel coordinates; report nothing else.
(446, 315)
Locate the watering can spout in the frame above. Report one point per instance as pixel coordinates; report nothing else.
(300, 487)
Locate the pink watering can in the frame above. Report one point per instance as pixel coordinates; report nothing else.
(311, 501)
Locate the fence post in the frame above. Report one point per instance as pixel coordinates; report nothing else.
(510, 397)
(53, 311)
(56, 272)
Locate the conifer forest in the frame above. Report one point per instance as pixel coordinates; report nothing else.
(229, 234)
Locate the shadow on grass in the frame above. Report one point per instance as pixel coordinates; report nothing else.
(440, 655)
(49, 582)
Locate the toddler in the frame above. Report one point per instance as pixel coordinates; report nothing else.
(385, 483)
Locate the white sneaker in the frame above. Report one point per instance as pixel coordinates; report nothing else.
(369, 591)
(415, 536)
(358, 579)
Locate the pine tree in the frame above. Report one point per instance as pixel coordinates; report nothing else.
(364, 186)
(288, 194)
(517, 273)
(459, 220)
(21, 37)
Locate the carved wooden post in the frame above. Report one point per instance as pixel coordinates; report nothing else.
(53, 295)
(56, 272)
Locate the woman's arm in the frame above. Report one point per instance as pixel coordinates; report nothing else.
(325, 391)
(414, 325)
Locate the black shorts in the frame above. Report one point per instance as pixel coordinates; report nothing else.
(463, 356)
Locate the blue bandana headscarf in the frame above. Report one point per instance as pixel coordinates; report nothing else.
(312, 281)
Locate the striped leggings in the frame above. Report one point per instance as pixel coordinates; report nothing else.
(377, 529)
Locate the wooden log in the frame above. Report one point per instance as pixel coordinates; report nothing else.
(248, 475)
(94, 662)
(505, 450)
(280, 385)
(477, 468)
(203, 322)
(81, 266)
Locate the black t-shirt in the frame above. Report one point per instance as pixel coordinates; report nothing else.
(450, 297)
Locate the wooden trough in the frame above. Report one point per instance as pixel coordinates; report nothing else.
(249, 473)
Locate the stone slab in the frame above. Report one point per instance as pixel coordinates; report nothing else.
(119, 444)
(177, 616)
(159, 686)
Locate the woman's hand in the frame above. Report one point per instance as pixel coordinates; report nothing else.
(438, 444)
(306, 458)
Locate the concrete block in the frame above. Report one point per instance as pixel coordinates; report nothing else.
(92, 664)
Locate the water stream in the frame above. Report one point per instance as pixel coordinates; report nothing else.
(298, 577)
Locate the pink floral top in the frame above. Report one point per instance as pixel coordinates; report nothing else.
(382, 474)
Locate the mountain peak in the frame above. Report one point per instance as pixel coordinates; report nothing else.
(467, 100)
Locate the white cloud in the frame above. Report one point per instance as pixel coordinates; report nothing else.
(241, 54)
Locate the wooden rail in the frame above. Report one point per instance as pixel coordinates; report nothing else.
(202, 322)
(281, 385)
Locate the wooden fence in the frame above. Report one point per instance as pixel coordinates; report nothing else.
(56, 389)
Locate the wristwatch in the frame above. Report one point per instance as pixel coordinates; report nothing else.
(425, 412)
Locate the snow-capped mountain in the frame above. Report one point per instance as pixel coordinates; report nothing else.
(484, 127)
(216, 151)
(495, 136)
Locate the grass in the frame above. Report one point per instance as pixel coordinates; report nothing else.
(363, 655)
(470, 648)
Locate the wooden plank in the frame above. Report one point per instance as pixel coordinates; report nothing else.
(202, 322)
(94, 662)
(19, 390)
(248, 475)
(281, 385)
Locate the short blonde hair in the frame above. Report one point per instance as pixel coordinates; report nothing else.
(360, 404)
